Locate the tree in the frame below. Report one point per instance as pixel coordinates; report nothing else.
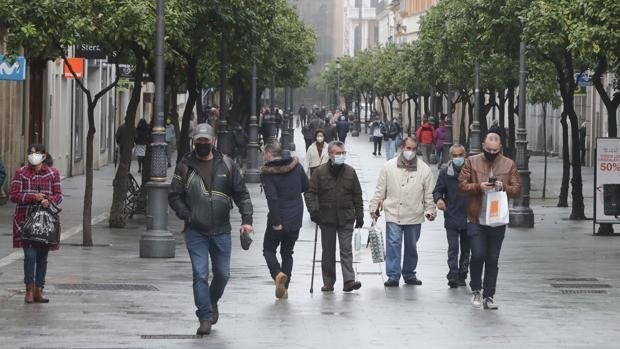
(547, 24)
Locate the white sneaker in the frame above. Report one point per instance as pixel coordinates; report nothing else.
(489, 303)
(476, 299)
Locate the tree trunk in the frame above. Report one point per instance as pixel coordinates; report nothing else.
(502, 115)
(87, 231)
(426, 106)
(544, 188)
(383, 116)
(184, 146)
(563, 198)
(462, 131)
(391, 100)
(126, 142)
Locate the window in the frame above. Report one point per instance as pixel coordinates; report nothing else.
(374, 3)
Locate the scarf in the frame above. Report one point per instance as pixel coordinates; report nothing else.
(410, 166)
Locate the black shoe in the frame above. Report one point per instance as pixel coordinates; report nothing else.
(462, 282)
(375, 154)
(414, 281)
(379, 153)
(327, 288)
(391, 283)
(351, 285)
(453, 283)
(205, 328)
(215, 314)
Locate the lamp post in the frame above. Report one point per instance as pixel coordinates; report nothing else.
(284, 138)
(291, 122)
(157, 241)
(338, 83)
(521, 214)
(447, 143)
(252, 174)
(474, 138)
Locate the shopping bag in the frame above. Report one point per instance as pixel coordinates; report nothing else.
(494, 211)
(42, 225)
(375, 240)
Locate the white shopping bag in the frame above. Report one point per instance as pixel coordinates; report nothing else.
(494, 211)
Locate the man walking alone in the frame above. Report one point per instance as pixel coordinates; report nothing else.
(481, 174)
(204, 184)
(334, 201)
(284, 182)
(405, 187)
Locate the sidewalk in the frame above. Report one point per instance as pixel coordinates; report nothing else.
(108, 297)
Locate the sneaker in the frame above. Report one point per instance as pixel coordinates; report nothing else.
(476, 299)
(453, 283)
(462, 282)
(489, 303)
(280, 284)
(414, 281)
(390, 283)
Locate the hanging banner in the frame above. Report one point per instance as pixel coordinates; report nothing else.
(607, 181)
(77, 64)
(13, 70)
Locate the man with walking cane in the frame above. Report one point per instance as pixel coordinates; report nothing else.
(284, 180)
(334, 201)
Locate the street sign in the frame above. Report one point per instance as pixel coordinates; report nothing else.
(93, 52)
(13, 70)
(607, 181)
(584, 79)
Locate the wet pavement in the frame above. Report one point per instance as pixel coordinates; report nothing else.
(558, 288)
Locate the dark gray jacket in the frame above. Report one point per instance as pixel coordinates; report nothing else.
(205, 204)
(447, 188)
(2, 173)
(284, 181)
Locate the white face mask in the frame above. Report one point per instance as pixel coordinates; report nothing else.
(408, 155)
(339, 159)
(35, 159)
(319, 139)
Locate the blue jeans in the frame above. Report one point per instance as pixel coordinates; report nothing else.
(390, 146)
(200, 247)
(35, 265)
(486, 243)
(395, 234)
(457, 266)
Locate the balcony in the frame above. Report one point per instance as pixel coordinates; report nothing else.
(367, 13)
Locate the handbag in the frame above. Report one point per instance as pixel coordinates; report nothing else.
(494, 211)
(375, 240)
(42, 224)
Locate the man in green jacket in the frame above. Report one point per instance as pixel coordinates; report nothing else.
(334, 201)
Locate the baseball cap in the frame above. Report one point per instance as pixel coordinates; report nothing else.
(203, 131)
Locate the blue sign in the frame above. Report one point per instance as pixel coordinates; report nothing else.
(584, 79)
(15, 70)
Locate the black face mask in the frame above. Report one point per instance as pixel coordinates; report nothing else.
(490, 156)
(203, 149)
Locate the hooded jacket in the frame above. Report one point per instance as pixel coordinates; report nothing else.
(284, 181)
(447, 188)
(205, 204)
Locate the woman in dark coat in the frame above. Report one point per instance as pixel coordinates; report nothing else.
(37, 182)
(143, 137)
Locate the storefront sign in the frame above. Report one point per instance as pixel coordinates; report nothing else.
(607, 181)
(77, 64)
(14, 70)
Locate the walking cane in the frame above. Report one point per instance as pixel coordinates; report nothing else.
(316, 234)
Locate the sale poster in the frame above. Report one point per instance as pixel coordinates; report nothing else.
(607, 183)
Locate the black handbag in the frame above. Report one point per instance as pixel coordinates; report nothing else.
(42, 224)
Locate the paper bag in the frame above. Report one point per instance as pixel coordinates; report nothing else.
(494, 211)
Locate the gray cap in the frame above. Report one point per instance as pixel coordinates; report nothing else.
(203, 131)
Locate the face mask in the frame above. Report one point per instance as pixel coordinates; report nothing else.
(35, 159)
(320, 139)
(203, 149)
(458, 162)
(408, 155)
(339, 160)
(490, 156)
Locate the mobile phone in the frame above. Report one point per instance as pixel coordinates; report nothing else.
(492, 180)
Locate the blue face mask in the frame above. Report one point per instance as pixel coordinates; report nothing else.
(458, 162)
(339, 159)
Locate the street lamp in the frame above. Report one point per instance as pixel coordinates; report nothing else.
(338, 83)
(252, 174)
(157, 241)
(448, 140)
(475, 139)
(521, 214)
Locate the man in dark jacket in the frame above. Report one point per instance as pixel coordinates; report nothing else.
(204, 185)
(284, 181)
(334, 201)
(331, 132)
(342, 126)
(303, 112)
(2, 173)
(452, 203)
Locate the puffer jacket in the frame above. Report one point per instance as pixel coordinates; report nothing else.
(284, 182)
(406, 195)
(478, 169)
(205, 206)
(335, 196)
(425, 134)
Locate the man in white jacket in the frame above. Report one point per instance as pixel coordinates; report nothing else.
(405, 187)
